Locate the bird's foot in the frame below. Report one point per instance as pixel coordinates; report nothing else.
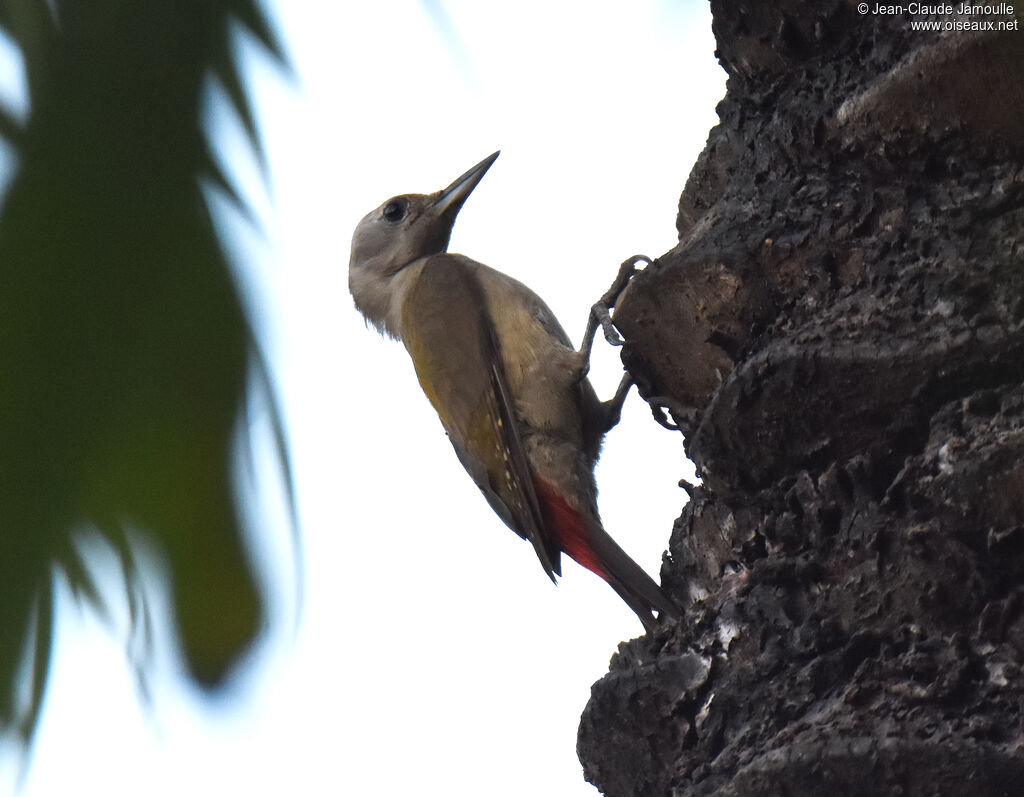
(659, 404)
(600, 313)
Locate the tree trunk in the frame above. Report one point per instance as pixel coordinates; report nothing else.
(839, 337)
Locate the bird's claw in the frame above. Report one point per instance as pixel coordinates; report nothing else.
(602, 309)
(659, 404)
(604, 318)
(600, 313)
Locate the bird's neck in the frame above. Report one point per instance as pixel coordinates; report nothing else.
(379, 295)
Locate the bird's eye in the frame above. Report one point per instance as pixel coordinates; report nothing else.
(394, 210)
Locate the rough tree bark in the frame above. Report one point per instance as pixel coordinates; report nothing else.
(839, 337)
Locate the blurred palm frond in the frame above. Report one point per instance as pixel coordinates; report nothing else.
(124, 348)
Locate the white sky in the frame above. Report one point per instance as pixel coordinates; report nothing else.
(432, 654)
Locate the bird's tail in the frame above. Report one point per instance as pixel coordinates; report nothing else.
(589, 544)
(640, 592)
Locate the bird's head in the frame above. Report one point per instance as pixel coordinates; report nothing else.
(402, 230)
(411, 226)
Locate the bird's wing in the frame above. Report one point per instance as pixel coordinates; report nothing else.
(450, 336)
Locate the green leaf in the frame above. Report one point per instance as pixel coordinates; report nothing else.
(124, 345)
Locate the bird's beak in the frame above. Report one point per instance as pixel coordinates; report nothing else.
(449, 201)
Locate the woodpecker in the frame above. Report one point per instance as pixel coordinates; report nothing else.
(511, 391)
